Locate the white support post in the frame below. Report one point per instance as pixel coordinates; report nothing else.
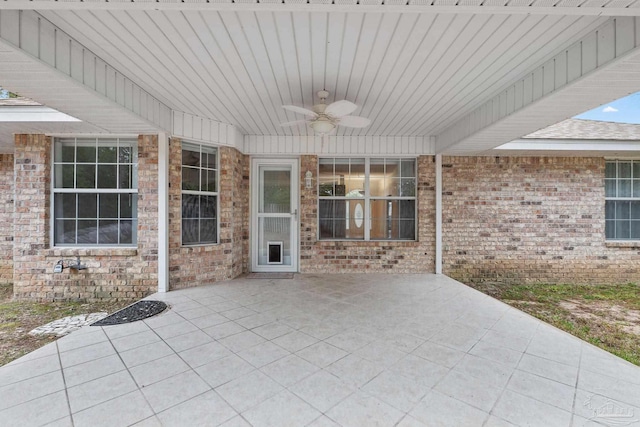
(438, 213)
(163, 212)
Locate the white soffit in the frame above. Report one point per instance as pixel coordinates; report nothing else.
(413, 74)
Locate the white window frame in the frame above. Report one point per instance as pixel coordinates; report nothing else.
(97, 191)
(635, 181)
(201, 193)
(368, 198)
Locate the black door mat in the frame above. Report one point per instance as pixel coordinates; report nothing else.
(269, 276)
(137, 311)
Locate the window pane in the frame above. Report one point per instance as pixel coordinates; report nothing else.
(65, 231)
(108, 232)
(64, 152)
(610, 170)
(333, 216)
(190, 179)
(107, 154)
(87, 205)
(86, 153)
(624, 188)
(208, 207)
(125, 154)
(190, 206)
(209, 160)
(109, 205)
(635, 230)
(392, 168)
(190, 230)
(63, 176)
(635, 210)
(128, 205)
(107, 176)
(392, 219)
(355, 181)
(408, 187)
(624, 169)
(622, 229)
(190, 156)
(209, 180)
(124, 178)
(636, 169)
(610, 187)
(276, 191)
(326, 180)
(208, 231)
(610, 209)
(87, 232)
(636, 188)
(610, 229)
(85, 176)
(65, 205)
(409, 168)
(127, 232)
(623, 210)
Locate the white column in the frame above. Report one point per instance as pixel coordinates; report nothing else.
(438, 213)
(163, 212)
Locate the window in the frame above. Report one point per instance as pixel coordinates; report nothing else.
(622, 205)
(95, 192)
(367, 199)
(199, 194)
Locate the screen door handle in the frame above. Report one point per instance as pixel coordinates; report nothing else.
(295, 213)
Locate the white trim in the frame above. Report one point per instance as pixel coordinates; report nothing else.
(294, 6)
(33, 114)
(576, 145)
(438, 213)
(163, 212)
(294, 164)
(96, 135)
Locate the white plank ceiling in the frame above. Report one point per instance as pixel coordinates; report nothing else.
(412, 74)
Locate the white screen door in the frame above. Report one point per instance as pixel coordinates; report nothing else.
(274, 215)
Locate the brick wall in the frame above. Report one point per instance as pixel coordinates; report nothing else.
(6, 218)
(368, 257)
(122, 273)
(197, 265)
(530, 220)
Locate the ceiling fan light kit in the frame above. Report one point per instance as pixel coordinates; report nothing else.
(324, 118)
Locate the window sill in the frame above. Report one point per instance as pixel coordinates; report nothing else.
(634, 244)
(113, 251)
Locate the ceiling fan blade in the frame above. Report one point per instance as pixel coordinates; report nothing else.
(299, 110)
(294, 123)
(340, 108)
(354, 121)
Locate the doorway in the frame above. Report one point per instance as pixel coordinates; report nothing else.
(274, 215)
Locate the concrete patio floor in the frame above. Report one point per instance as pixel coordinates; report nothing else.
(323, 350)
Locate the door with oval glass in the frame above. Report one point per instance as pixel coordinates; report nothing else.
(274, 215)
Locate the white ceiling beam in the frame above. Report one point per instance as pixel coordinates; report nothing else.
(601, 67)
(404, 6)
(49, 51)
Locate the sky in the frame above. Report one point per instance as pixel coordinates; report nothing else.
(623, 110)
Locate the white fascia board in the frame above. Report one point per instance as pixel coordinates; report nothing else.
(33, 114)
(569, 145)
(406, 6)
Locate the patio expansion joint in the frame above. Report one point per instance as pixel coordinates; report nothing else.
(515, 368)
(64, 381)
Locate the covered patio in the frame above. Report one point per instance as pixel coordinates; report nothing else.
(323, 350)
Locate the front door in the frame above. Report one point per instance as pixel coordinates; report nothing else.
(274, 215)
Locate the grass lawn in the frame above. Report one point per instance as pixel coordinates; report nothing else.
(17, 318)
(606, 316)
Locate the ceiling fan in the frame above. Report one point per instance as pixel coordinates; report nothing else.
(324, 118)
